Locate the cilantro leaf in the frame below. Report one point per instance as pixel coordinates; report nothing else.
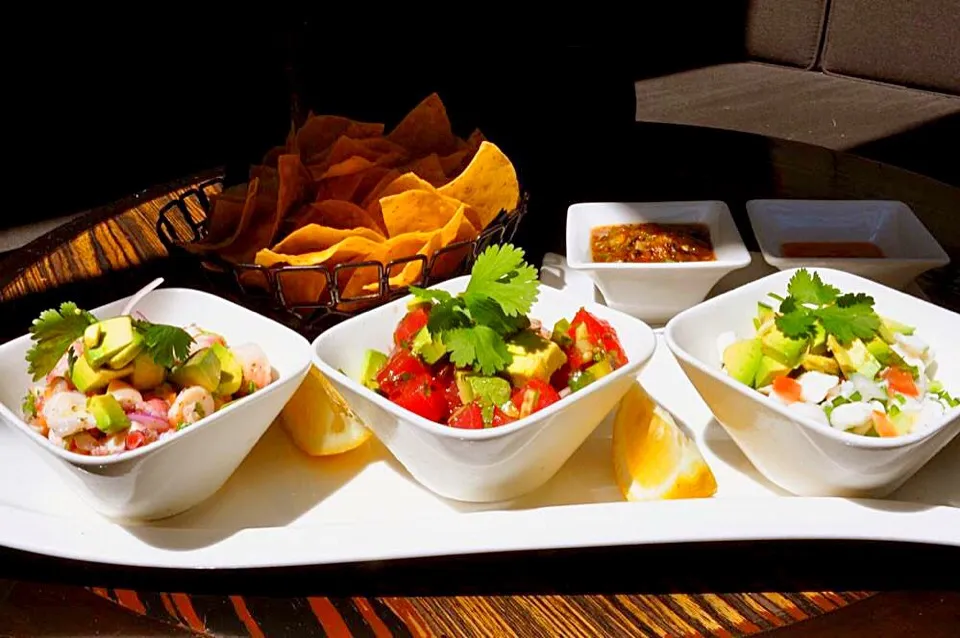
(477, 346)
(430, 294)
(29, 405)
(501, 274)
(851, 299)
(847, 323)
(487, 312)
(53, 332)
(447, 315)
(797, 325)
(807, 289)
(167, 345)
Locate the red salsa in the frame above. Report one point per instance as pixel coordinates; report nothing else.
(651, 243)
(830, 250)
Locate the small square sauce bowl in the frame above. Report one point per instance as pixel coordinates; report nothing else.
(793, 233)
(655, 292)
(172, 475)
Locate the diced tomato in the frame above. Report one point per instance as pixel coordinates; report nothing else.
(446, 377)
(424, 396)
(501, 418)
(788, 389)
(410, 325)
(534, 396)
(601, 335)
(883, 425)
(135, 440)
(901, 381)
(561, 377)
(468, 417)
(400, 367)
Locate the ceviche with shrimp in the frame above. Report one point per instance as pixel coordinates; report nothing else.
(476, 360)
(112, 385)
(829, 357)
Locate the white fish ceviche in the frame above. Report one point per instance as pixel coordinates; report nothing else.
(103, 387)
(829, 357)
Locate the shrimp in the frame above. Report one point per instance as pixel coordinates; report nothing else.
(66, 413)
(205, 340)
(113, 444)
(125, 394)
(191, 405)
(255, 366)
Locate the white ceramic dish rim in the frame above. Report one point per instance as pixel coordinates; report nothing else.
(129, 455)
(773, 255)
(632, 367)
(741, 260)
(852, 440)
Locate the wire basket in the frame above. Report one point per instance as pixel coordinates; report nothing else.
(266, 289)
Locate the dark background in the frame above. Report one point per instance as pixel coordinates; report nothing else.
(104, 107)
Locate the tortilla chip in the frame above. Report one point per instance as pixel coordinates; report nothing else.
(425, 129)
(335, 213)
(488, 184)
(454, 163)
(315, 238)
(342, 188)
(295, 183)
(307, 287)
(224, 219)
(228, 223)
(346, 167)
(370, 179)
(362, 130)
(415, 210)
(429, 169)
(259, 232)
(447, 263)
(319, 132)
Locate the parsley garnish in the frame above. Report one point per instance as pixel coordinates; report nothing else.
(53, 332)
(810, 300)
(474, 325)
(29, 405)
(167, 345)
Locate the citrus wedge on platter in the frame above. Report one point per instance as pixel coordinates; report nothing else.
(652, 457)
(319, 420)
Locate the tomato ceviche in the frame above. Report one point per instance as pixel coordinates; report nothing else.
(118, 384)
(477, 361)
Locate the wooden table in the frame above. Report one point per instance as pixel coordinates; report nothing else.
(812, 588)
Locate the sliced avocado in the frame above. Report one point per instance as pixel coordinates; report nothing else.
(128, 353)
(115, 335)
(768, 370)
(231, 375)
(88, 379)
(202, 369)
(827, 365)
(890, 327)
(462, 378)
(818, 345)
(742, 359)
(108, 413)
(426, 347)
(147, 373)
(886, 355)
(373, 362)
(533, 357)
(782, 348)
(92, 335)
(855, 358)
(492, 390)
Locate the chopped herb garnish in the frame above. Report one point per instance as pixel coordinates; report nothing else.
(53, 332)
(29, 405)
(167, 345)
(251, 387)
(811, 301)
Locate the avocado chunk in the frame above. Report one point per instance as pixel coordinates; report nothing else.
(491, 390)
(818, 363)
(373, 362)
(92, 335)
(108, 413)
(889, 328)
(768, 370)
(147, 373)
(742, 359)
(427, 347)
(533, 357)
(88, 379)
(600, 369)
(462, 379)
(819, 343)
(855, 358)
(782, 348)
(231, 375)
(114, 335)
(764, 314)
(128, 353)
(202, 369)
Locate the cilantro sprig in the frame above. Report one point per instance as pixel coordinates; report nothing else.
(167, 345)
(810, 301)
(474, 325)
(52, 333)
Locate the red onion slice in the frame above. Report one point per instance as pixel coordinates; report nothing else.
(149, 420)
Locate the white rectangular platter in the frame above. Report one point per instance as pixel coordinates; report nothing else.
(283, 508)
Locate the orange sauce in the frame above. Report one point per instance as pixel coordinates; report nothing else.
(831, 250)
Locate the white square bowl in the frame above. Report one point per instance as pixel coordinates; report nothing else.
(800, 455)
(655, 292)
(908, 246)
(170, 476)
(489, 465)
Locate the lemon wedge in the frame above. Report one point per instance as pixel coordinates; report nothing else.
(319, 420)
(652, 457)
